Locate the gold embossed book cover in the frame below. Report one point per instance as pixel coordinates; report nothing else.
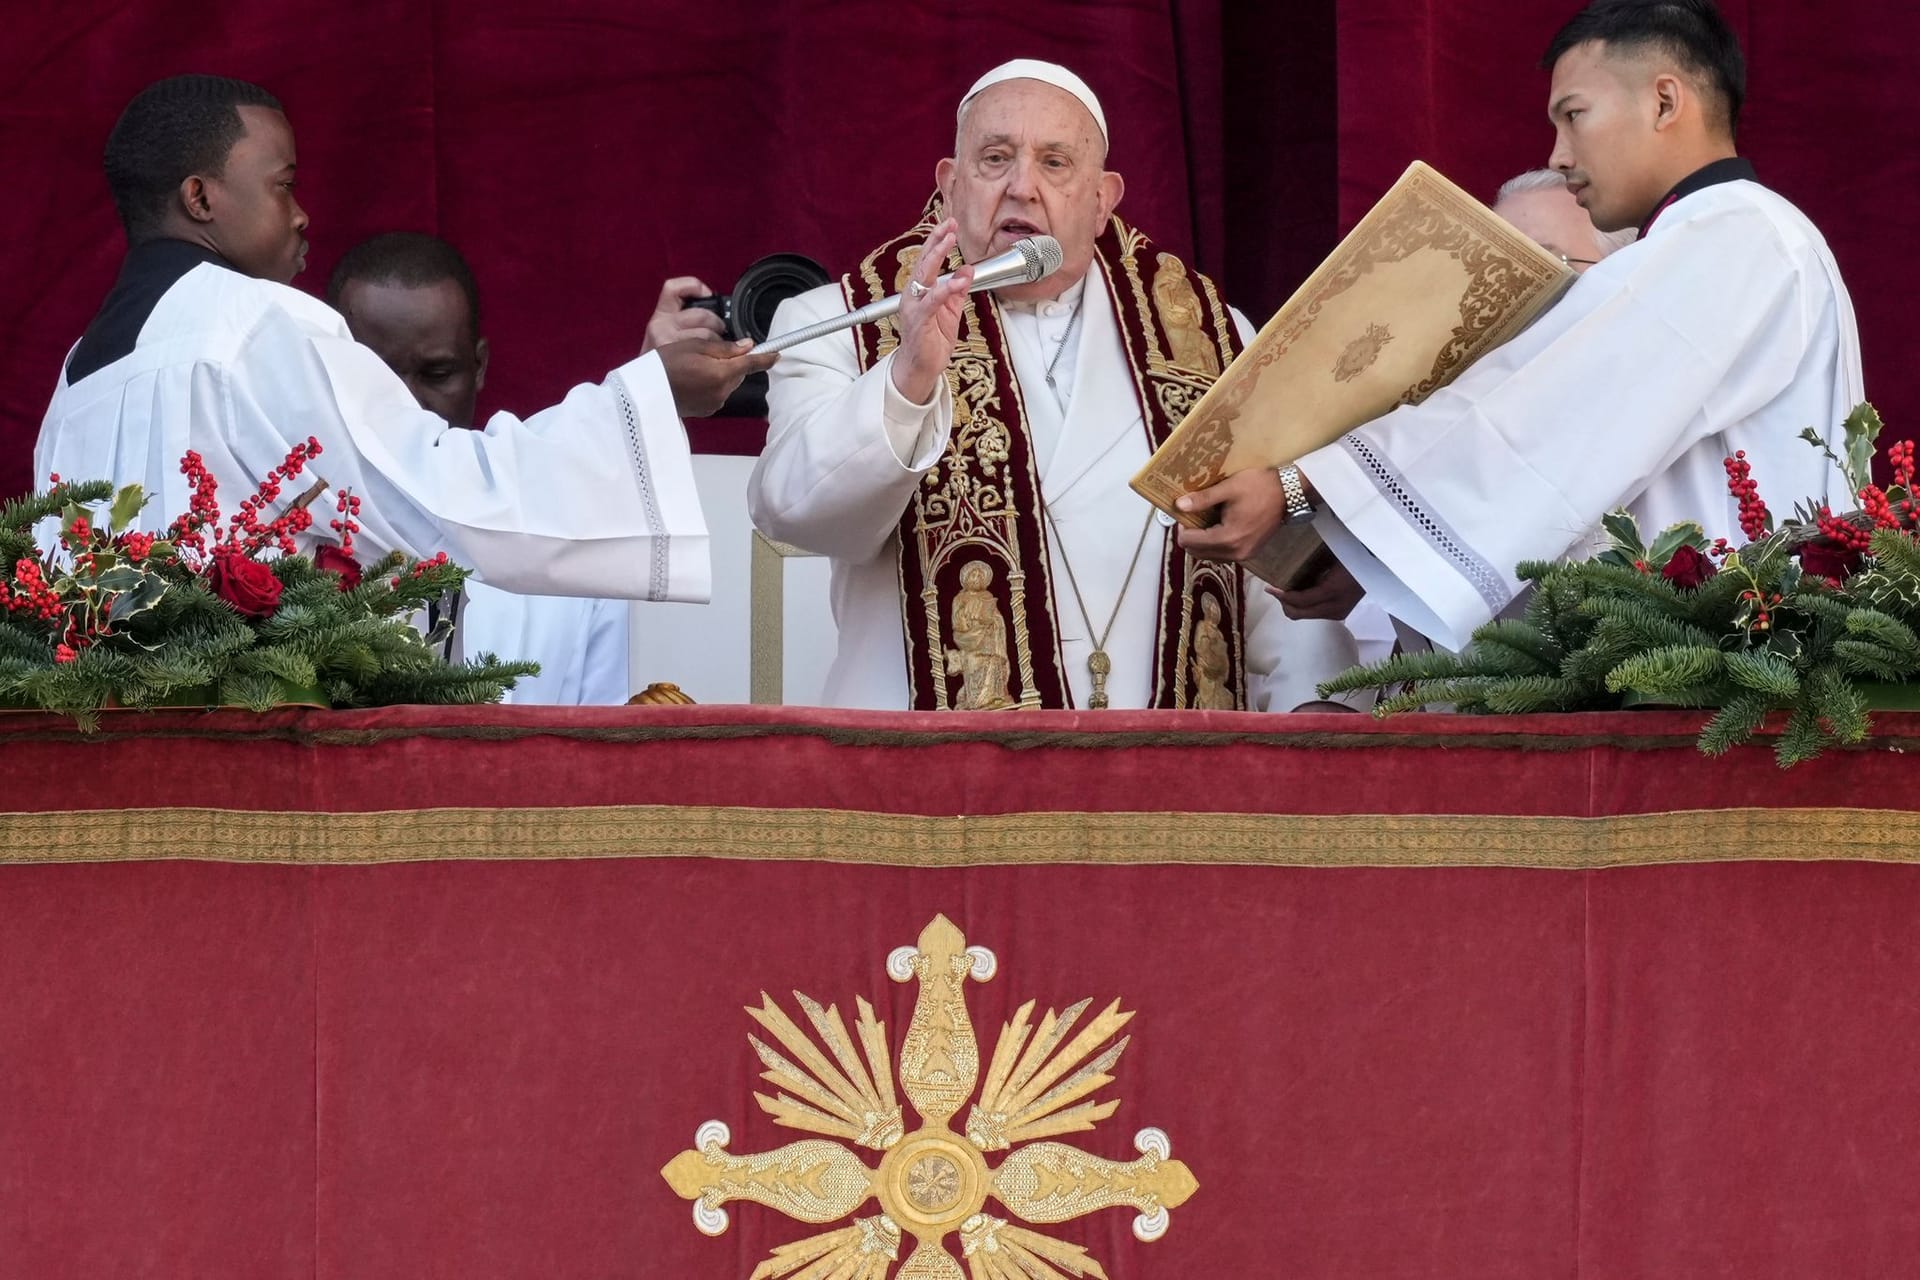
(1428, 282)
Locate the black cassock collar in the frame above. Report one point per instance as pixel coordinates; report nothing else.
(1731, 169)
(151, 268)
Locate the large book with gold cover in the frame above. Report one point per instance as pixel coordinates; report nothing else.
(1427, 283)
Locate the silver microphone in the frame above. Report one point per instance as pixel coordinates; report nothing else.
(1034, 258)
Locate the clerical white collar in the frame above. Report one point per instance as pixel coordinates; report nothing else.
(1066, 301)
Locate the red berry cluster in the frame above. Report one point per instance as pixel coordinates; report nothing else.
(247, 533)
(1842, 532)
(348, 505)
(420, 568)
(1755, 519)
(202, 510)
(1763, 604)
(32, 595)
(137, 545)
(1873, 501)
(1900, 456)
(1720, 547)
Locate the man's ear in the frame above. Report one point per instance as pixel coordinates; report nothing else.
(480, 354)
(193, 198)
(1112, 187)
(943, 182)
(1673, 100)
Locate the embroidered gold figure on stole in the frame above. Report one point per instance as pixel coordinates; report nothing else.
(1180, 313)
(980, 634)
(1212, 665)
(934, 1182)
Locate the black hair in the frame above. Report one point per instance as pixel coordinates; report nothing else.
(1691, 31)
(411, 258)
(173, 129)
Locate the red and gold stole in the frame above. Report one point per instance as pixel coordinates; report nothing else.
(975, 532)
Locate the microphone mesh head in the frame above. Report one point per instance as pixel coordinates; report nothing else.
(1043, 256)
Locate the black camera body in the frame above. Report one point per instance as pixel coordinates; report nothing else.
(747, 312)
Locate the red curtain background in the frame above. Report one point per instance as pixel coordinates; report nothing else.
(581, 151)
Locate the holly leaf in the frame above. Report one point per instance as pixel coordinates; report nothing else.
(126, 508)
(120, 578)
(143, 596)
(1672, 538)
(1625, 532)
(1862, 429)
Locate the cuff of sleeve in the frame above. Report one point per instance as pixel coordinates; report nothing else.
(917, 432)
(1399, 569)
(681, 566)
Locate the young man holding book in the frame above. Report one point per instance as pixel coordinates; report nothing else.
(1725, 328)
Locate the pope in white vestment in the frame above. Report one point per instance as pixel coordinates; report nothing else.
(846, 450)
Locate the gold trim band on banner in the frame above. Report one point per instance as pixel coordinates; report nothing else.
(909, 840)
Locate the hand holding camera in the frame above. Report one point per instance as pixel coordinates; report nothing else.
(673, 320)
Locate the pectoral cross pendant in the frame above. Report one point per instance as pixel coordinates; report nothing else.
(1100, 665)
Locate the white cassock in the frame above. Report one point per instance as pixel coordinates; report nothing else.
(594, 496)
(580, 643)
(1726, 328)
(845, 451)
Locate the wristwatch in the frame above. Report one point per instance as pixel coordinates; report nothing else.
(1299, 510)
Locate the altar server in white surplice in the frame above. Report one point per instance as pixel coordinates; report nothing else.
(1724, 328)
(966, 467)
(202, 345)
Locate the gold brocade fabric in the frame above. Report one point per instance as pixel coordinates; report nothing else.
(911, 840)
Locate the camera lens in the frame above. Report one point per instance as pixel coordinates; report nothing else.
(764, 286)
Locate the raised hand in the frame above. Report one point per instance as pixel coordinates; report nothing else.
(704, 371)
(930, 324)
(673, 320)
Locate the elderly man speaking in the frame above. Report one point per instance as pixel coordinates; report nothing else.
(965, 463)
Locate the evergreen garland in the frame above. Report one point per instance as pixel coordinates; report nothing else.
(1794, 621)
(119, 618)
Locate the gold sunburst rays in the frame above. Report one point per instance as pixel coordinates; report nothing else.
(843, 1102)
(1022, 1101)
(934, 1182)
(996, 1250)
(862, 1251)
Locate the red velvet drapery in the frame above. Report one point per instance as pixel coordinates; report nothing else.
(472, 1054)
(579, 152)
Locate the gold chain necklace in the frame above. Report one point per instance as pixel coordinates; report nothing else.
(1098, 663)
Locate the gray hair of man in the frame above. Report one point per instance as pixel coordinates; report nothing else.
(1552, 180)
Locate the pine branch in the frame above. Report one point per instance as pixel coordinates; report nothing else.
(1669, 671)
(1764, 673)
(1841, 706)
(18, 515)
(1736, 722)
(1864, 657)
(1464, 692)
(1541, 693)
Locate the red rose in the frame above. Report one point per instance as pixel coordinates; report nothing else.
(1830, 561)
(1687, 568)
(332, 559)
(247, 585)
